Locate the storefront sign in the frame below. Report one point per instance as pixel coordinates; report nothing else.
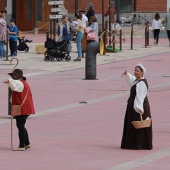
(55, 16)
(55, 3)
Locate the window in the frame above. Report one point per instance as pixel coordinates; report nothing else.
(125, 6)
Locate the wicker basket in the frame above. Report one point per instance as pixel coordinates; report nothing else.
(142, 124)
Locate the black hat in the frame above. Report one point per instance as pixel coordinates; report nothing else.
(19, 73)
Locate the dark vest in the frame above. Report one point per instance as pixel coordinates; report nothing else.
(133, 92)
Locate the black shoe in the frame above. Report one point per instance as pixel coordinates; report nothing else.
(77, 59)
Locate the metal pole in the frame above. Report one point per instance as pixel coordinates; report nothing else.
(120, 39)
(76, 5)
(35, 17)
(102, 15)
(7, 41)
(134, 6)
(114, 38)
(104, 40)
(145, 34)
(110, 29)
(131, 37)
(118, 10)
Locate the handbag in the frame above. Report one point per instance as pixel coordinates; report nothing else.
(16, 109)
(91, 36)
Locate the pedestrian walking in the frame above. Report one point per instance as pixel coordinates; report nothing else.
(156, 27)
(13, 38)
(21, 92)
(166, 21)
(80, 32)
(138, 104)
(3, 30)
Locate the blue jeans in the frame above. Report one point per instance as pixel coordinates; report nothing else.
(2, 49)
(78, 42)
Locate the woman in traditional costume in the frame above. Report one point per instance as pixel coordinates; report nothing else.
(137, 104)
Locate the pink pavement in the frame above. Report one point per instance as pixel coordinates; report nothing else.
(68, 135)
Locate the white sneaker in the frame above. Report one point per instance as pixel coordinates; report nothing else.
(154, 42)
(19, 149)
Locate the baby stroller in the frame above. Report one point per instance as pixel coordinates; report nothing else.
(58, 50)
(22, 46)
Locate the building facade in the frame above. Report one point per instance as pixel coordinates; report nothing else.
(28, 16)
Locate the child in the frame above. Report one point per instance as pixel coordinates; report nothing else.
(13, 38)
(24, 38)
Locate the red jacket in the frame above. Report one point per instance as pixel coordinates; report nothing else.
(18, 97)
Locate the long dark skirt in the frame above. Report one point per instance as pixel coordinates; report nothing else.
(136, 138)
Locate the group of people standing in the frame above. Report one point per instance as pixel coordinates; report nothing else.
(157, 26)
(13, 36)
(3, 29)
(81, 21)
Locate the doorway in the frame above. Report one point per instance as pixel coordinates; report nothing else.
(25, 15)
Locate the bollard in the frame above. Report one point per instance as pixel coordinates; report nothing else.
(114, 41)
(146, 35)
(91, 52)
(120, 39)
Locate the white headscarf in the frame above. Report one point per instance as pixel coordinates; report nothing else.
(142, 67)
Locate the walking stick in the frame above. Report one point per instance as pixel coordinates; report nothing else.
(9, 104)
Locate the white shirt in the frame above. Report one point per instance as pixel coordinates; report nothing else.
(141, 92)
(84, 20)
(16, 85)
(156, 24)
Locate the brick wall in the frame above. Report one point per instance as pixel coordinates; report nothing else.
(3, 4)
(151, 5)
(70, 5)
(141, 5)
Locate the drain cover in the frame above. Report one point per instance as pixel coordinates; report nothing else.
(83, 102)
